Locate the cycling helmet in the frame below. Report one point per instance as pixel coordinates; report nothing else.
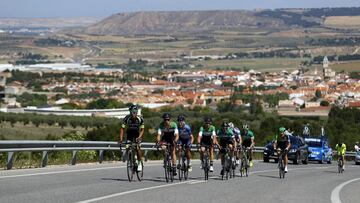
(231, 125)
(181, 118)
(133, 108)
(166, 116)
(246, 127)
(225, 125)
(208, 120)
(282, 129)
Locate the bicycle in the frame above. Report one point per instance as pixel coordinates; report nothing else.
(340, 164)
(131, 161)
(206, 162)
(281, 165)
(229, 165)
(182, 163)
(168, 170)
(244, 167)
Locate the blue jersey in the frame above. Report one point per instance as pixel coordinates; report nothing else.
(185, 132)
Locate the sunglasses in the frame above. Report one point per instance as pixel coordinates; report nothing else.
(166, 119)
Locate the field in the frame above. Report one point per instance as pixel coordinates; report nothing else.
(343, 21)
(30, 132)
(271, 64)
(349, 66)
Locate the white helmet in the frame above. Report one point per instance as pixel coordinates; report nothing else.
(231, 125)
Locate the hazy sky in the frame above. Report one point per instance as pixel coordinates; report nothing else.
(103, 8)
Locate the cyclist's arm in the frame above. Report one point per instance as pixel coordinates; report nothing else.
(252, 142)
(176, 135)
(121, 136)
(158, 136)
(141, 133)
(289, 144)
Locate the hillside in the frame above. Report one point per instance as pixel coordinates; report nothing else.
(179, 21)
(169, 22)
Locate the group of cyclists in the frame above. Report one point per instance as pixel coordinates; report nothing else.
(179, 133)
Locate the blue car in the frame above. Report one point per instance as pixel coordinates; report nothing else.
(319, 150)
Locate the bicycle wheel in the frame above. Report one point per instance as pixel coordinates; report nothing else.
(140, 174)
(185, 169)
(129, 166)
(180, 166)
(206, 166)
(166, 170)
(170, 171)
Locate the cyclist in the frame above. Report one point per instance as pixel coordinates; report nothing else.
(227, 140)
(168, 134)
(341, 151)
(356, 147)
(207, 137)
(248, 141)
(134, 125)
(185, 138)
(237, 135)
(282, 142)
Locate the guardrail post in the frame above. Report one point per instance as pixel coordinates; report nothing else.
(73, 159)
(10, 159)
(101, 156)
(146, 155)
(44, 159)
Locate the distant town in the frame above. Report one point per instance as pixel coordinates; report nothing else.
(310, 92)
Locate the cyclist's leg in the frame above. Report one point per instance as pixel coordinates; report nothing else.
(286, 161)
(343, 159)
(173, 154)
(188, 152)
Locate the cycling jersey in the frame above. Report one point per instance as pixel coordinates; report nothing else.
(282, 142)
(184, 132)
(185, 135)
(341, 150)
(246, 137)
(168, 133)
(133, 126)
(226, 137)
(207, 135)
(236, 132)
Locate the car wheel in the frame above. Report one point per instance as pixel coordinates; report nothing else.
(266, 159)
(322, 161)
(357, 163)
(276, 160)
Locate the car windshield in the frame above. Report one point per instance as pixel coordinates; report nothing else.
(314, 144)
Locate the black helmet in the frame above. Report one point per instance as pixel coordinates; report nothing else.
(208, 120)
(181, 118)
(166, 116)
(133, 108)
(225, 125)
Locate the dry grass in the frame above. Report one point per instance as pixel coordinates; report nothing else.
(343, 21)
(348, 66)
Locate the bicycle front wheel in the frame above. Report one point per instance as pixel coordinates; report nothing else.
(130, 166)
(140, 174)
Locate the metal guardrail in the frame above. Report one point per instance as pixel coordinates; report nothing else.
(13, 146)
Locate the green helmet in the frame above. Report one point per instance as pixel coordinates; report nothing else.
(282, 129)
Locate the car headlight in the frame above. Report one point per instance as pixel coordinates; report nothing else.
(292, 150)
(316, 153)
(266, 149)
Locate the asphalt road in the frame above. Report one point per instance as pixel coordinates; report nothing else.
(108, 183)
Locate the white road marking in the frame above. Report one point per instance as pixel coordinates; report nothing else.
(335, 194)
(196, 182)
(133, 191)
(68, 171)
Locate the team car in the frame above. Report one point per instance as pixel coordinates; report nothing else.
(320, 150)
